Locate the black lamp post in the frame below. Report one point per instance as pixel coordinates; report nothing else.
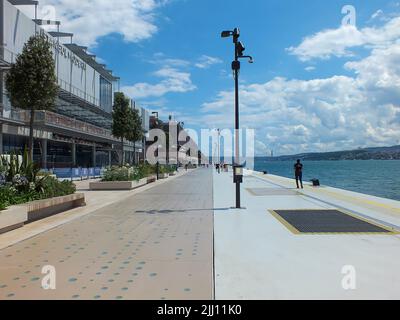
(239, 49)
(180, 124)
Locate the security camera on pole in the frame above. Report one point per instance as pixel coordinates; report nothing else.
(239, 49)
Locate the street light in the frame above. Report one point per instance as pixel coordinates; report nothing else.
(239, 50)
(219, 150)
(180, 124)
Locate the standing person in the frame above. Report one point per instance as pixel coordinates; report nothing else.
(298, 171)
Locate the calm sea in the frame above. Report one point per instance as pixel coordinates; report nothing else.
(373, 177)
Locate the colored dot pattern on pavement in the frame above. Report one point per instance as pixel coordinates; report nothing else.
(154, 245)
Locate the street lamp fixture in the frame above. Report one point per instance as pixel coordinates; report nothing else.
(226, 34)
(180, 124)
(239, 50)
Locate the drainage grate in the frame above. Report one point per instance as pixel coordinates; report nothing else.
(326, 221)
(272, 192)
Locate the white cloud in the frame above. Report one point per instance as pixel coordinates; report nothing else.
(309, 68)
(338, 42)
(91, 19)
(160, 58)
(174, 80)
(377, 14)
(206, 61)
(335, 113)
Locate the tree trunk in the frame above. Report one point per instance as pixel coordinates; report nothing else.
(122, 152)
(30, 145)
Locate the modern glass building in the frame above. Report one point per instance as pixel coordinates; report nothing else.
(77, 133)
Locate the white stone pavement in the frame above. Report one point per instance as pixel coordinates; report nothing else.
(257, 257)
(95, 200)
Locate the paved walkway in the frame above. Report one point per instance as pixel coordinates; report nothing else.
(257, 257)
(157, 244)
(180, 238)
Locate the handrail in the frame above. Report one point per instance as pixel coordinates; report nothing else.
(48, 117)
(66, 86)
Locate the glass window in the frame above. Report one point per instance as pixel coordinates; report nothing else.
(105, 94)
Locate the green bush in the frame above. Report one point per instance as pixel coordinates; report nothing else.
(10, 196)
(20, 182)
(124, 173)
(54, 188)
(146, 169)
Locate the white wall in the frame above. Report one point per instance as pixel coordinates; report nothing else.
(17, 30)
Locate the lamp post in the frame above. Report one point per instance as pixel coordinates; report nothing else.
(180, 124)
(219, 150)
(239, 49)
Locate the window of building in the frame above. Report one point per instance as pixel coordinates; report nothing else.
(105, 94)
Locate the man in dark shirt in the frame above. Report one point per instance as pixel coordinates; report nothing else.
(298, 171)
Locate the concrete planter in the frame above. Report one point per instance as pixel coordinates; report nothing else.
(151, 179)
(163, 176)
(16, 216)
(13, 218)
(117, 185)
(41, 209)
(173, 174)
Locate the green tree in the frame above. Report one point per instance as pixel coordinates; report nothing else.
(122, 120)
(135, 132)
(31, 82)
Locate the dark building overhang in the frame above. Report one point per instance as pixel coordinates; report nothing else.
(57, 34)
(23, 2)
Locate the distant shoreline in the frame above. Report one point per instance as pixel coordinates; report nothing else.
(379, 153)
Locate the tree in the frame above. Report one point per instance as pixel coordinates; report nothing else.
(136, 132)
(122, 120)
(31, 82)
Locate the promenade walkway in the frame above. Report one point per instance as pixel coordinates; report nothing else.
(155, 244)
(258, 257)
(181, 239)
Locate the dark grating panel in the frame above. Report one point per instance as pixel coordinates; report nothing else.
(327, 221)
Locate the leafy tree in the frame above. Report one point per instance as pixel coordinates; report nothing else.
(31, 82)
(122, 120)
(135, 132)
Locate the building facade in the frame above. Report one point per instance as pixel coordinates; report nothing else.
(77, 133)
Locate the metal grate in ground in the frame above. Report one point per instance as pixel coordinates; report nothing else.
(327, 222)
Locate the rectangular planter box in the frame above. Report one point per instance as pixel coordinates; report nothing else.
(13, 218)
(16, 216)
(117, 185)
(151, 179)
(41, 209)
(172, 174)
(163, 176)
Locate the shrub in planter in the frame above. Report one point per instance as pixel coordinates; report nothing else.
(20, 182)
(54, 188)
(146, 169)
(124, 173)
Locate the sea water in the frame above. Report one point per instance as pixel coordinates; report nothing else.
(374, 177)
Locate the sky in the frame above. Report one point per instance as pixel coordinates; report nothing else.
(326, 77)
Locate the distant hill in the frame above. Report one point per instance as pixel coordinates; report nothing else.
(380, 153)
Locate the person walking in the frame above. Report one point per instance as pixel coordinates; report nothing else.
(298, 171)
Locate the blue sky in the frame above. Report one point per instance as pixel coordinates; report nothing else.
(315, 86)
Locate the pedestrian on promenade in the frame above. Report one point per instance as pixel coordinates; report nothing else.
(298, 171)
